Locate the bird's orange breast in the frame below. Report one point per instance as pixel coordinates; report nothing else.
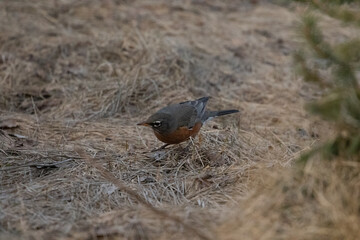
(179, 135)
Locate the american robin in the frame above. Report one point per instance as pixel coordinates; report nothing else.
(178, 122)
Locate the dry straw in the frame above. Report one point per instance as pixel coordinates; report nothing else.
(83, 73)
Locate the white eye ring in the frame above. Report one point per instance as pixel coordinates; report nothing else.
(156, 124)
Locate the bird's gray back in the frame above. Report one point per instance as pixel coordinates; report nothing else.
(184, 115)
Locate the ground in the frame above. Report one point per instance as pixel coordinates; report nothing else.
(76, 77)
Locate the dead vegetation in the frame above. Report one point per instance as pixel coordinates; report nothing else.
(80, 75)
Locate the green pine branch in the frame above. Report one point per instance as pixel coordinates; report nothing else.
(341, 103)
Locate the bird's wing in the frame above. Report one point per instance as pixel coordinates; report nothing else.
(183, 115)
(188, 117)
(198, 104)
(187, 113)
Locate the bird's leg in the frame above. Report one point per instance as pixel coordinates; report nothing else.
(160, 148)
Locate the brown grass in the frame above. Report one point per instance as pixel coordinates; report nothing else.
(319, 201)
(80, 75)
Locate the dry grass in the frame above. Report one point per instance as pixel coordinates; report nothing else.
(319, 201)
(81, 74)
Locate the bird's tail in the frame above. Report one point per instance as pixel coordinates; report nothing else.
(211, 114)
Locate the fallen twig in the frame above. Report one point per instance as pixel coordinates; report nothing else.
(118, 183)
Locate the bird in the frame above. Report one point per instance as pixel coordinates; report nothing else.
(176, 123)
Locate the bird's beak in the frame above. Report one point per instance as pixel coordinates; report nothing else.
(143, 124)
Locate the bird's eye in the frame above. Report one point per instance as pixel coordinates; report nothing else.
(156, 124)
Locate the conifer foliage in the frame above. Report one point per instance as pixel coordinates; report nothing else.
(336, 67)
